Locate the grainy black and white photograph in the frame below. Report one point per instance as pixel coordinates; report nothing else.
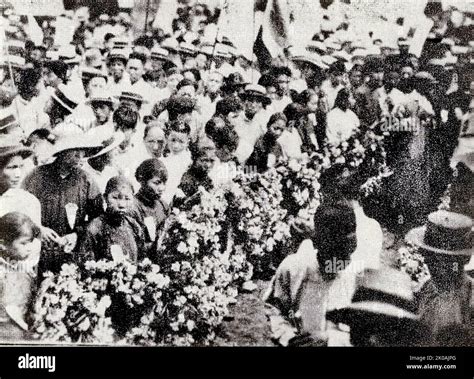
(293, 173)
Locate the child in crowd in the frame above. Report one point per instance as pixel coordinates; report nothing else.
(178, 159)
(18, 237)
(267, 150)
(151, 211)
(290, 140)
(115, 232)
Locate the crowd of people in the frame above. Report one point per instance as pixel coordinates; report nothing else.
(102, 137)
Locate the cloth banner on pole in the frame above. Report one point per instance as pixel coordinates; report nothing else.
(238, 24)
(276, 28)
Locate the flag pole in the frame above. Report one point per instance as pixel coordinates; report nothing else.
(146, 16)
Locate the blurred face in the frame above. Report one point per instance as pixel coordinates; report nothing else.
(272, 93)
(355, 78)
(189, 63)
(22, 247)
(190, 76)
(206, 161)
(120, 200)
(71, 158)
(156, 185)
(156, 64)
(376, 79)
(12, 173)
(135, 70)
(187, 91)
(102, 112)
(201, 61)
(50, 78)
(96, 84)
(235, 118)
(312, 104)
(117, 68)
(284, 84)
(173, 81)
(336, 79)
(36, 55)
(252, 107)
(407, 72)
(177, 142)
(214, 82)
(155, 142)
(277, 128)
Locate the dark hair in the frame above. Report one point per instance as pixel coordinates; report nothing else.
(227, 137)
(195, 72)
(116, 182)
(139, 56)
(125, 118)
(342, 95)
(172, 71)
(13, 226)
(304, 97)
(185, 83)
(275, 117)
(29, 78)
(333, 218)
(177, 105)
(108, 36)
(214, 127)
(227, 105)
(43, 134)
(178, 126)
(150, 168)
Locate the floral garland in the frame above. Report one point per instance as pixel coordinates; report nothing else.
(66, 311)
(261, 231)
(412, 262)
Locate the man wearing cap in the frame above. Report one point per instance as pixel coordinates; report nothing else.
(118, 77)
(446, 301)
(333, 84)
(62, 103)
(282, 77)
(68, 197)
(253, 125)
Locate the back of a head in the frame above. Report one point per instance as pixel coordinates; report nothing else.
(333, 219)
(116, 183)
(150, 168)
(228, 105)
(125, 118)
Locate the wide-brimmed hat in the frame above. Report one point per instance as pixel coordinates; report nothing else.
(445, 233)
(8, 150)
(66, 96)
(101, 97)
(187, 49)
(88, 73)
(77, 141)
(160, 54)
(233, 82)
(170, 44)
(58, 67)
(120, 43)
(255, 91)
(7, 118)
(384, 294)
(312, 60)
(110, 144)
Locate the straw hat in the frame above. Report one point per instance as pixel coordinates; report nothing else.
(101, 97)
(77, 141)
(159, 53)
(129, 94)
(445, 233)
(110, 144)
(385, 293)
(118, 54)
(67, 96)
(255, 91)
(7, 118)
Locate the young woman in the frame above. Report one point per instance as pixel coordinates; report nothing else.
(18, 244)
(116, 231)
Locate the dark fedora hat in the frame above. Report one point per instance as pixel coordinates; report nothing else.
(445, 233)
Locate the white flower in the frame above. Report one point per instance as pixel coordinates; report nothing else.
(84, 325)
(175, 267)
(190, 325)
(340, 159)
(182, 247)
(181, 318)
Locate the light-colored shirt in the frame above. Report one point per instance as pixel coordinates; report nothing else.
(176, 165)
(299, 288)
(249, 132)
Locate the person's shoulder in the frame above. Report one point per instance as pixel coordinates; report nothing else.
(301, 261)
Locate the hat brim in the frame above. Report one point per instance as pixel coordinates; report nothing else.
(366, 311)
(116, 143)
(416, 237)
(88, 150)
(99, 100)
(264, 99)
(19, 150)
(120, 98)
